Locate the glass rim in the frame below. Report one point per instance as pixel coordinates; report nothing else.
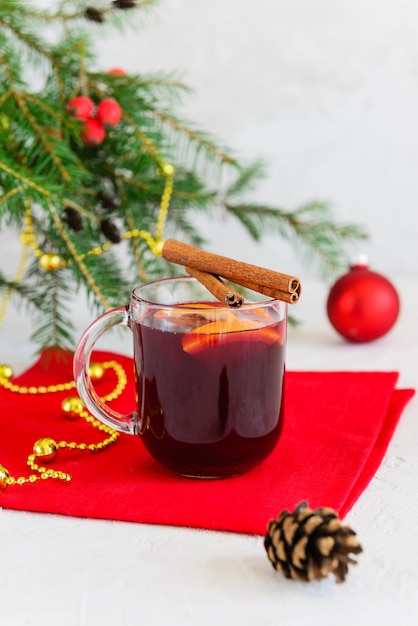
(194, 306)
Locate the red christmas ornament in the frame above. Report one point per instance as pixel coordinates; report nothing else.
(81, 107)
(362, 305)
(93, 132)
(109, 112)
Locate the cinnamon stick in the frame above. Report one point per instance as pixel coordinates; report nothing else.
(217, 287)
(279, 285)
(291, 297)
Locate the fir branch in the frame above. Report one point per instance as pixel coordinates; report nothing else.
(78, 261)
(201, 139)
(310, 225)
(60, 118)
(30, 42)
(25, 180)
(247, 179)
(146, 141)
(161, 83)
(12, 192)
(46, 164)
(67, 14)
(53, 325)
(40, 135)
(79, 208)
(14, 288)
(136, 248)
(5, 97)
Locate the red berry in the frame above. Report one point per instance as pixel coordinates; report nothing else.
(93, 132)
(81, 107)
(117, 71)
(109, 112)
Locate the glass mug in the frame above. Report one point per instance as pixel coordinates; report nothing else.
(209, 379)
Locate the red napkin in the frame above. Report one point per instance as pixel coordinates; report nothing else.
(337, 428)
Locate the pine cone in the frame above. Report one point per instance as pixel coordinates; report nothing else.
(73, 219)
(94, 15)
(308, 545)
(110, 230)
(107, 201)
(124, 4)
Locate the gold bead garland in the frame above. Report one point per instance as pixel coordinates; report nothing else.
(6, 373)
(96, 372)
(16, 279)
(51, 261)
(46, 449)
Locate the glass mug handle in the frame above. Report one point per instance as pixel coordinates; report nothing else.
(81, 364)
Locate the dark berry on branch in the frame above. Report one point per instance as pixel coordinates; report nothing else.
(107, 201)
(124, 4)
(73, 219)
(94, 15)
(110, 230)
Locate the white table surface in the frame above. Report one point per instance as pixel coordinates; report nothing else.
(57, 570)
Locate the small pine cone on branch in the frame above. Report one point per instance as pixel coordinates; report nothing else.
(110, 230)
(308, 545)
(94, 15)
(107, 201)
(124, 4)
(73, 219)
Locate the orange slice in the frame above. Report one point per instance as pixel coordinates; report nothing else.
(188, 316)
(227, 330)
(263, 314)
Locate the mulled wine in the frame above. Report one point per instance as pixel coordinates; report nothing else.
(209, 377)
(209, 384)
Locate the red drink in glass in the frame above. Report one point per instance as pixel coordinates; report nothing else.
(209, 388)
(209, 378)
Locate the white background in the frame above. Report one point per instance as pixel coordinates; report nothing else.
(325, 91)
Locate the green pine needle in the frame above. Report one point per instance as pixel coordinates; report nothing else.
(47, 168)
